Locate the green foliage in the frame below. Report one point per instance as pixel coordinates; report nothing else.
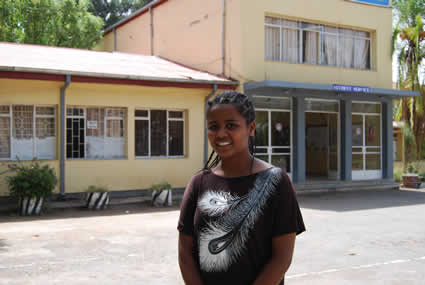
(112, 11)
(161, 186)
(65, 23)
(32, 180)
(398, 174)
(411, 168)
(93, 188)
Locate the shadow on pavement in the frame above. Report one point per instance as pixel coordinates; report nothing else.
(66, 213)
(362, 200)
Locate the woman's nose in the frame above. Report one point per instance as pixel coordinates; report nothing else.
(221, 132)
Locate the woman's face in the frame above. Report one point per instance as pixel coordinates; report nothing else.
(228, 131)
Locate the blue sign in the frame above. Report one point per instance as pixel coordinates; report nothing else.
(350, 88)
(374, 2)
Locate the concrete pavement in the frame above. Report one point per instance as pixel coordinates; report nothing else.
(367, 237)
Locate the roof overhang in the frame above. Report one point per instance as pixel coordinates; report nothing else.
(267, 85)
(91, 77)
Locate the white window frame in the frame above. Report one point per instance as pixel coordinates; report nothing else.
(269, 149)
(365, 174)
(168, 119)
(35, 116)
(105, 119)
(321, 32)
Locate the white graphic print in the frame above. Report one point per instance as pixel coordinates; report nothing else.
(224, 239)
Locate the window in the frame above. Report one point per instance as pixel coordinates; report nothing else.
(159, 133)
(301, 42)
(95, 132)
(27, 132)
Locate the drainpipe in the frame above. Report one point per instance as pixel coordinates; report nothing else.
(151, 28)
(223, 32)
(62, 140)
(205, 122)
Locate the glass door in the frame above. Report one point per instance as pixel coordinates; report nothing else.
(273, 137)
(366, 141)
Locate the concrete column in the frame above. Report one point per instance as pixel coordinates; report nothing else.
(298, 124)
(387, 140)
(346, 147)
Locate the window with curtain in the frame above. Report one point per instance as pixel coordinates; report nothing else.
(159, 133)
(27, 132)
(303, 42)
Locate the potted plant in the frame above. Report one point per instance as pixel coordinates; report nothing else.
(31, 184)
(97, 197)
(411, 179)
(162, 194)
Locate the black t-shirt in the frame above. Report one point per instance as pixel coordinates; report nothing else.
(233, 221)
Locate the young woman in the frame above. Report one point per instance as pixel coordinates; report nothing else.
(239, 216)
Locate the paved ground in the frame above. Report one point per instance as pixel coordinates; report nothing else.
(374, 237)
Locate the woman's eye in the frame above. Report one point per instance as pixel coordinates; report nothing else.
(212, 128)
(231, 126)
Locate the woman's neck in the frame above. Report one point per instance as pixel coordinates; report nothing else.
(235, 166)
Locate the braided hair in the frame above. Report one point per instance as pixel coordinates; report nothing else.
(245, 107)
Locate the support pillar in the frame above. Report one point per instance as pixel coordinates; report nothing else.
(346, 143)
(387, 140)
(298, 124)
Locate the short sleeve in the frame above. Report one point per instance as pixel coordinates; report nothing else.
(287, 216)
(188, 206)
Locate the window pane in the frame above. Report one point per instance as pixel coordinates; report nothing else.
(4, 137)
(45, 110)
(175, 138)
(175, 114)
(272, 103)
(141, 113)
(373, 161)
(290, 42)
(361, 50)
(311, 44)
(329, 46)
(142, 137)
(44, 127)
(281, 128)
(366, 108)
(282, 161)
(346, 48)
(262, 130)
(22, 122)
(357, 162)
(260, 150)
(357, 130)
(272, 42)
(373, 131)
(115, 112)
(114, 128)
(95, 122)
(276, 150)
(4, 110)
(314, 105)
(75, 147)
(158, 133)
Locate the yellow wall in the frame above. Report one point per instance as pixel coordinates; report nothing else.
(106, 43)
(134, 37)
(129, 173)
(332, 12)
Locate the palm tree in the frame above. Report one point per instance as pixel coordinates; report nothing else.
(409, 37)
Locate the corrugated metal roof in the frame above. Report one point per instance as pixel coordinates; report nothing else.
(57, 60)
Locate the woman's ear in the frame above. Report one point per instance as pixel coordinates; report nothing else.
(252, 127)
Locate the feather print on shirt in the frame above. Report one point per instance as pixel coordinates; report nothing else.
(224, 239)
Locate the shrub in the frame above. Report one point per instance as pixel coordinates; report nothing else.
(93, 188)
(161, 186)
(398, 174)
(31, 180)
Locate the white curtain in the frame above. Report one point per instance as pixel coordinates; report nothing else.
(311, 44)
(346, 48)
(272, 43)
(361, 50)
(330, 43)
(290, 41)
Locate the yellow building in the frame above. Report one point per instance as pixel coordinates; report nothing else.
(319, 73)
(109, 119)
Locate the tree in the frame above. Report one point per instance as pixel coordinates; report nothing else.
(64, 23)
(112, 11)
(409, 32)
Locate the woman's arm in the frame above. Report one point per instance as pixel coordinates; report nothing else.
(282, 250)
(187, 264)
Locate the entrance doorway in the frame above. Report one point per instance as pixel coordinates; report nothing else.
(366, 141)
(322, 140)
